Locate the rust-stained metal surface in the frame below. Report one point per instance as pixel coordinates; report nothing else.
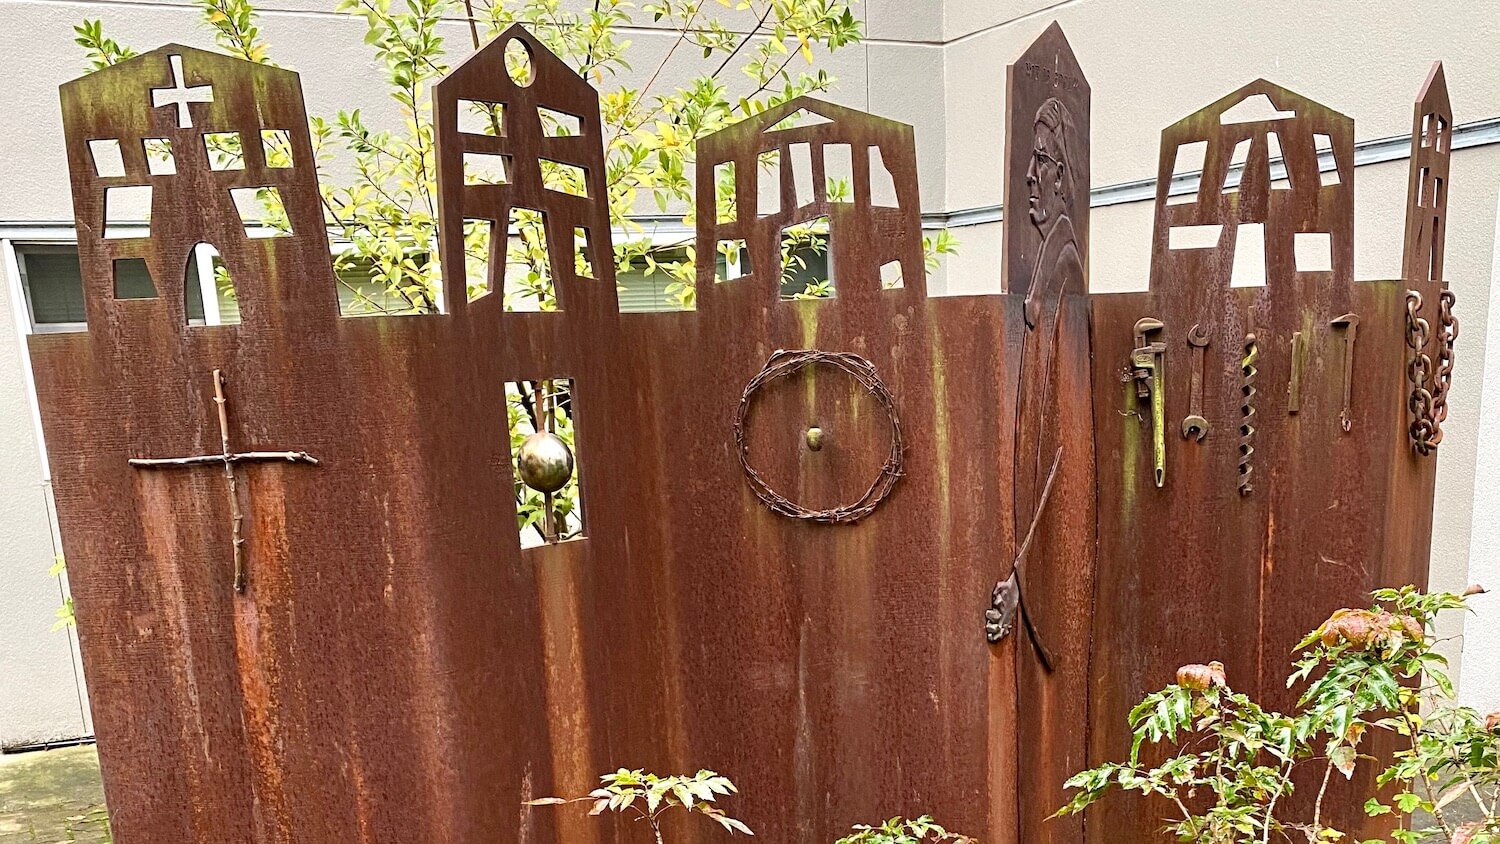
(1046, 263)
(1202, 568)
(399, 668)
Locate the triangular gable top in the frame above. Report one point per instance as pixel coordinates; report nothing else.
(198, 67)
(1432, 98)
(1053, 47)
(767, 119)
(1283, 99)
(544, 62)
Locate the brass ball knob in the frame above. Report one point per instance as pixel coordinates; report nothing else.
(545, 462)
(814, 438)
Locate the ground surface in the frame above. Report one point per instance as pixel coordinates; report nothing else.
(52, 796)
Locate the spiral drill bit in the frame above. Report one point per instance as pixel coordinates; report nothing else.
(1247, 411)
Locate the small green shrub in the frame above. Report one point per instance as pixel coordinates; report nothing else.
(647, 797)
(1230, 762)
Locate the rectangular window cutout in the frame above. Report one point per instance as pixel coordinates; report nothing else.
(1189, 158)
(1236, 170)
(159, 160)
(769, 196)
(1249, 256)
(731, 260)
(262, 212)
(1429, 135)
(1276, 160)
(478, 245)
(559, 124)
(806, 264)
(1441, 141)
(365, 289)
(1328, 169)
(1424, 187)
(224, 150)
(802, 173)
(649, 288)
(1435, 254)
(1194, 237)
(838, 172)
(277, 146)
(564, 178)
(133, 279)
(890, 276)
(124, 207)
(528, 266)
(882, 184)
(725, 191)
(540, 419)
(476, 117)
(482, 168)
(109, 163)
(582, 266)
(1313, 251)
(52, 282)
(1438, 198)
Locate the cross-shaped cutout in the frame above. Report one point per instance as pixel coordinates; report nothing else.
(180, 95)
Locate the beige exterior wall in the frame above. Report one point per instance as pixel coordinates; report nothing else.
(936, 64)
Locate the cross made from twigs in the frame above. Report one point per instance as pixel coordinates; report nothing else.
(227, 458)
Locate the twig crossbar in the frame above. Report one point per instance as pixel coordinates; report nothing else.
(227, 458)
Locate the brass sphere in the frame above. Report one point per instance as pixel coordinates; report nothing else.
(814, 438)
(545, 462)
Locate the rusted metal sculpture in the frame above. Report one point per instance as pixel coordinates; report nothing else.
(1318, 500)
(399, 668)
(786, 363)
(227, 458)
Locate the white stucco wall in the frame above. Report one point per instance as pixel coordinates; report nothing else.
(939, 65)
(40, 696)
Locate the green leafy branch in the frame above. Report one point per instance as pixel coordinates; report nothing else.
(646, 797)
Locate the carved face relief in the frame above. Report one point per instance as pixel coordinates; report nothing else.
(1047, 176)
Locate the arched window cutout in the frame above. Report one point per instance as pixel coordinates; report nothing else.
(208, 292)
(1253, 109)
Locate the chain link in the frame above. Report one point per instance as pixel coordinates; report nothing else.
(1429, 407)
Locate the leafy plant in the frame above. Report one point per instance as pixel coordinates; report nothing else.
(903, 831)
(646, 797)
(65, 616)
(1230, 762)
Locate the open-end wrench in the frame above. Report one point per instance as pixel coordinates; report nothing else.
(1350, 324)
(1195, 427)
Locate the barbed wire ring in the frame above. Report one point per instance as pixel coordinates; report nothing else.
(784, 363)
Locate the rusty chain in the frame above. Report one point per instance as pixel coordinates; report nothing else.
(1429, 406)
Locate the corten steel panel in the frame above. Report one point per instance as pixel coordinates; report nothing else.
(1046, 262)
(398, 668)
(1196, 570)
